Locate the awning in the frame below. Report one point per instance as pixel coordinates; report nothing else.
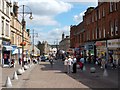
(7, 48)
(17, 51)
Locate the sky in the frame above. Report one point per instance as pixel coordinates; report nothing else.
(51, 18)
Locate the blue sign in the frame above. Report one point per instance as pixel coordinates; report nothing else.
(6, 43)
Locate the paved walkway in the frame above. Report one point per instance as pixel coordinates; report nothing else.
(45, 76)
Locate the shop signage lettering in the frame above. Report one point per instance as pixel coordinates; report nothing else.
(5, 43)
(113, 43)
(100, 44)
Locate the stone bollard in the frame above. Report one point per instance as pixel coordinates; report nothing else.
(15, 76)
(19, 72)
(8, 82)
(105, 73)
(92, 70)
(26, 67)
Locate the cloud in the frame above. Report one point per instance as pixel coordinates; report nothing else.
(44, 11)
(44, 21)
(53, 35)
(46, 7)
(79, 18)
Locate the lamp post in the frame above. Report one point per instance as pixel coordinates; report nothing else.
(23, 27)
(33, 40)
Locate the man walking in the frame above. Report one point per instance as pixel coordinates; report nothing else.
(69, 64)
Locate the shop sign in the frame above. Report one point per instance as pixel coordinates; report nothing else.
(114, 43)
(6, 43)
(90, 46)
(100, 43)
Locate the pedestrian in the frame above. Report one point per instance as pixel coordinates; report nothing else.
(66, 65)
(103, 61)
(74, 64)
(51, 61)
(82, 63)
(19, 61)
(69, 64)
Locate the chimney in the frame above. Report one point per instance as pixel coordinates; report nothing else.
(15, 9)
(63, 36)
(28, 31)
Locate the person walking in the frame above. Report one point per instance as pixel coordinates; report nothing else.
(66, 65)
(51, 61)
(74, 64)
(103, 61)
(69, 64)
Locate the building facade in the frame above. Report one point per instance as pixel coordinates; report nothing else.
(101, 31)
(5, 44)
(64, 44)
(16, 35)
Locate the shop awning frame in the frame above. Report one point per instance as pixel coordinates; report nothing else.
(7, 48)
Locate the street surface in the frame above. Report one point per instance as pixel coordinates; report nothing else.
(45, 76)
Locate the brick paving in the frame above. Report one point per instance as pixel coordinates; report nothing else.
(45, 76)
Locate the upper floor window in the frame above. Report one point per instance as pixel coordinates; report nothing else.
(116, 27)
(7, 9)
(92, 18)
(7, 29)
(3, 5)
(115, 5)
(103, 13)
(104, 32)
(99, 14)
(2, 27)
(96, 16)
(111, 28)
(111, 6)
(93, 34)
(99, 33)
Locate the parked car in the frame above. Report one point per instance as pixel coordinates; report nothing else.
(43, 58)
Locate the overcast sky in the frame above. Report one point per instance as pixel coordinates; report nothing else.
(53, 17)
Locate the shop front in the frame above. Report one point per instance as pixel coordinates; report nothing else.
(89, 48)
(114, 49)
(6, 50)
(100, 48)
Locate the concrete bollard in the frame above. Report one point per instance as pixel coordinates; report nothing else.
(19, 72)
(26, 67)
(8, 82)
(92, 70)
(23, 69)
(105, 73)
(84, 68)
(15, 76)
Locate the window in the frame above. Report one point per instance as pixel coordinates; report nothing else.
(96, 16)
(99, 33)
(92, 18)
(93, 34)
(99, 14)
(3, 5)
(116, 27)
(7, 9)
(104, 32)
(7, 30)
(2, 27)
(111, 6)
(111, 28)
(103, 14)
(12, 37)
(115, 5)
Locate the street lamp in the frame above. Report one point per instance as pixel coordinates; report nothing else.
(23, 27)
(33, 41)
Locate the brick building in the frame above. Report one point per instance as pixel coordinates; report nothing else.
(101, 30)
